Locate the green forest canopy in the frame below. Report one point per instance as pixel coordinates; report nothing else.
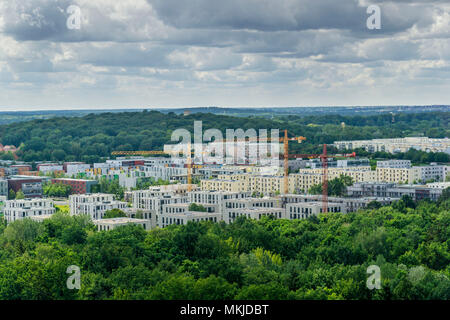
(324, 257)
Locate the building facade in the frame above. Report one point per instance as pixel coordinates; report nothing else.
(24, 208)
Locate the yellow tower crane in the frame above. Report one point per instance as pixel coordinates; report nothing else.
(157, 152)
(285, 140)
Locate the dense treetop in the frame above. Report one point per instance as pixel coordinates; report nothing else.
(324, 257)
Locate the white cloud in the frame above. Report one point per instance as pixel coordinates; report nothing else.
(229, 53)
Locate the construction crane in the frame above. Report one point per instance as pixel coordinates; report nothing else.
(285, 140)
(324, 159)
(286, 156)
(157, 152)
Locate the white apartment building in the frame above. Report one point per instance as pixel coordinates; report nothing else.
(24, 208)
(392, 190)
(350, 204)
(162, 161)
(237, 207)
(94, 205)
(76, 199)
(110, 224)
(220, 198)
(147, 215)
(185, 217)
(184, 207)
(153, 198)
(332, 163)
(49, 167)
(433, 172)
(304, 210)
(438, 185)
(397, 144)
(155, 203)
(211, 172)
(215, 197)
(75, 168)
(164, 172)
(242, 152)
(253, 213)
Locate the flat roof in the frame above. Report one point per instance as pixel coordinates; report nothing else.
(121, 220)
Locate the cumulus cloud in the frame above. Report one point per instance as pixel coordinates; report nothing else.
(213, 52)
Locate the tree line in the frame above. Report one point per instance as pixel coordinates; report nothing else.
(93, 137)
(323, 257)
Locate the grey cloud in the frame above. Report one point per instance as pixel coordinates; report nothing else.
(197, 48)
(268, 15)
(39, 20)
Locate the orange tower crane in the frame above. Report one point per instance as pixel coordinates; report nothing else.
(285, 140)
(324, 159)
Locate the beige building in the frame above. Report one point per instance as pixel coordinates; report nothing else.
(306, 178)
(221, 185)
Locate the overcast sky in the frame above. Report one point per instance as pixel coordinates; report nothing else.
(179, 53)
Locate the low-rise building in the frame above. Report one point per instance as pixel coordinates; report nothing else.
(110, 224)
(24, 208)
(183, 218)
(391, 190)
(237, 207)
(74, 168)
(395, 145)
(394, 164)
(304, 210)
(94, 205)
(142, 214)
(49, 167)
(253, 213)
(438, 185)
(433, 172)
